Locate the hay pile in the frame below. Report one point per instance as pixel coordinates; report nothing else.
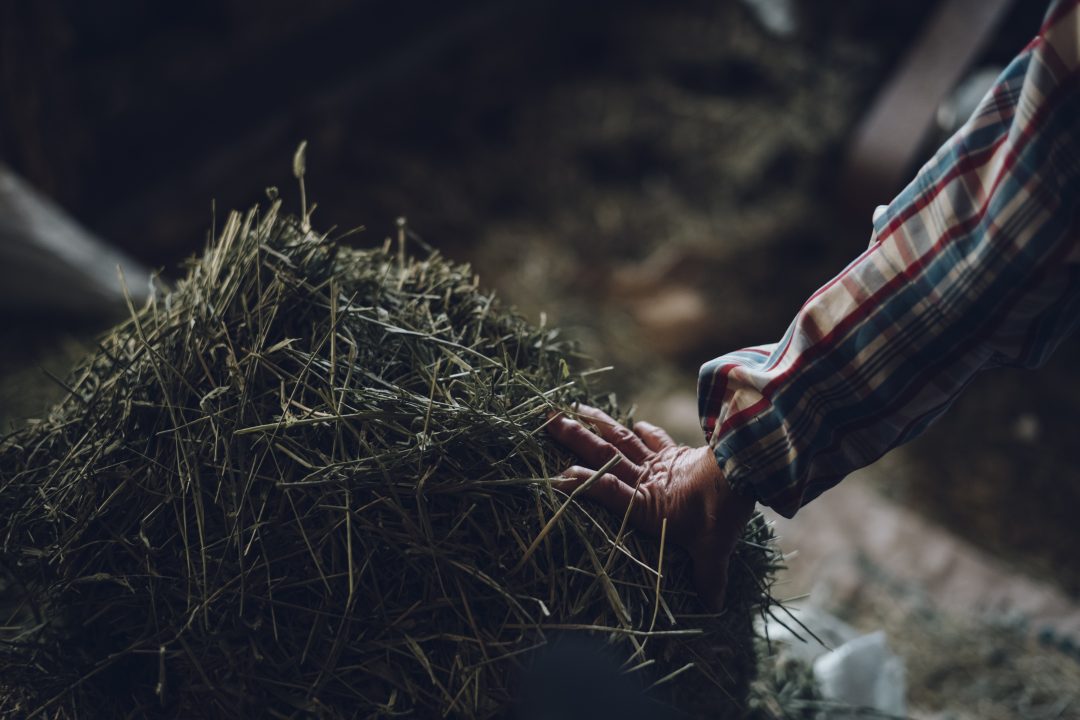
(302, 483)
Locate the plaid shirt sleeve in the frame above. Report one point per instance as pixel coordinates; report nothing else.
(975, 264)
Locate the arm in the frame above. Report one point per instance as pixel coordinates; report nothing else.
(973, 265)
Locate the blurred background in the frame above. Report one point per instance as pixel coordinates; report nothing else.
(666, 181)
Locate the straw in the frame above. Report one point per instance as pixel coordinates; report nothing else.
(298, 484)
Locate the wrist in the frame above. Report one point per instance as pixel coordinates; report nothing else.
(738, 488)
(734, 506)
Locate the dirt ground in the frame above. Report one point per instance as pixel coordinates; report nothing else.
(658, 180)
(978, 639)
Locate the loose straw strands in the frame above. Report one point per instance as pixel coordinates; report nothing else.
(313, 481)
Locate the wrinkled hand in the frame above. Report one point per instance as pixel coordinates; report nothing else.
(656, 478)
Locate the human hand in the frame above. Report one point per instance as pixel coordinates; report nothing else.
(657, 479)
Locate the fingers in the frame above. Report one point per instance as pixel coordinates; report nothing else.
(608, 490)
(655, 438)
(591, 449)
(616, 433)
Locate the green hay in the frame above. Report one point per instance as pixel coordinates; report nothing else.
(302, 484)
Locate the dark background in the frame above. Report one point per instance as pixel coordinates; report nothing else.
(135, 114)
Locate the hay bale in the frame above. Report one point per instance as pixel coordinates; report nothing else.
(303, 483)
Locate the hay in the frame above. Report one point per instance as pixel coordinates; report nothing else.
(302, 483)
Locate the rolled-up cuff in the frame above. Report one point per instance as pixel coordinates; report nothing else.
(741, 478)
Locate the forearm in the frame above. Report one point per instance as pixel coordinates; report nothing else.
(973, 265)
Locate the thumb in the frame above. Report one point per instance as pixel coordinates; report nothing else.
(711, 573)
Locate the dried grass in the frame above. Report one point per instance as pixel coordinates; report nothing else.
(304, 482)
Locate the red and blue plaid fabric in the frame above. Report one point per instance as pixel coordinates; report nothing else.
(976, 264)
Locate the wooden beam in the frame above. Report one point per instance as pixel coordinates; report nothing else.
(892, 132)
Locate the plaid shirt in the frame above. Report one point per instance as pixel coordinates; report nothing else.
(976, 264)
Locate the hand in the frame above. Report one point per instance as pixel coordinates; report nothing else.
(656, 478)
